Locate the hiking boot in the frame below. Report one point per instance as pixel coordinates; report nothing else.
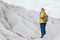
(42, 36)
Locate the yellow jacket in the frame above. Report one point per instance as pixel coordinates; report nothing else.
(41, 15)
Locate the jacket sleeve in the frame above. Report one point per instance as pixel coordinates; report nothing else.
(41, 15)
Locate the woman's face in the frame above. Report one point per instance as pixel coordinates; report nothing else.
(42, 9)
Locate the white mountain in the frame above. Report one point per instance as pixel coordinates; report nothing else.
(17, 23)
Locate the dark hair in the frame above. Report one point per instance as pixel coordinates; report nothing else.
(43, 9)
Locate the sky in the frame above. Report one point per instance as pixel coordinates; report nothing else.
(52, 7)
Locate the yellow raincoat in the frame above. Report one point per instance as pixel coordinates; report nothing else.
(41, 15)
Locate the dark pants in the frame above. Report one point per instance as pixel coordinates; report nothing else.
(43, 28)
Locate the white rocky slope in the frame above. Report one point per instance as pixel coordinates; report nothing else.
(16, 23)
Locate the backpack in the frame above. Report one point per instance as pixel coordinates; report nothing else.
(45, 18)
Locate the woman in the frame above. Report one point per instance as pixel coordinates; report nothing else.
(42, 22)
